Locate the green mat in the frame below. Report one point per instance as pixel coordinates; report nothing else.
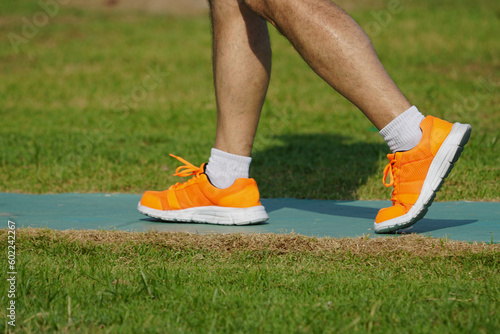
(467, 221)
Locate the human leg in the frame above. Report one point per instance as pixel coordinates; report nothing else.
(221, 192)
(338, 50)
(242, 67)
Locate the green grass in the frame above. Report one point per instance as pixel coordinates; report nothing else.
(117, 282)
(65, 128)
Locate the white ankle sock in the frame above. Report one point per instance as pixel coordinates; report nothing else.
(403, 133)
(224, 168)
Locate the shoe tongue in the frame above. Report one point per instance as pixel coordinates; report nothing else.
(204, 167)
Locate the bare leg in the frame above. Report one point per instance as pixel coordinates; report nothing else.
(339, 51)
(242, 67)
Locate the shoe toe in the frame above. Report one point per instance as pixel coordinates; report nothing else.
(152, 200)
(392, 212)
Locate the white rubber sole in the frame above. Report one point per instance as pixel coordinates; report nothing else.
(210, 215)
(443, 162)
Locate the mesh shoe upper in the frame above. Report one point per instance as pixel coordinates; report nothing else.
(198, 192)
(408, 170)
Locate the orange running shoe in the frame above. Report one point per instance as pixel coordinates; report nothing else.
(198, 201)
(417, 174)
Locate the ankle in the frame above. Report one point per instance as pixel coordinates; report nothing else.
(403, 133)
(224, 168)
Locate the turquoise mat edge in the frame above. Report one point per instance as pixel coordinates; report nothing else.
(464, 221)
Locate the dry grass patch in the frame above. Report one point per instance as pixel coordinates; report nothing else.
(410, 245)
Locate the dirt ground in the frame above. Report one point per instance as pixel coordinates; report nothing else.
(171, 7)
(192, 7)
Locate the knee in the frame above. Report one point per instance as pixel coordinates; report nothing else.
(232, 3)
(257, 6)
(225, 9)
(215, 4)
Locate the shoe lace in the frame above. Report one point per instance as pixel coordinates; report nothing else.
(187, 170)
(393, 172)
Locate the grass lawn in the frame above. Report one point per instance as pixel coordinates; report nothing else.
(118, 282)
(93, 101)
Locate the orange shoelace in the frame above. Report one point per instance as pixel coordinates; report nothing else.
(393, 172)
(187, 170)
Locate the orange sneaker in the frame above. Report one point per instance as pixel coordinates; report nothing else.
(198, 201)
(417, 174)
